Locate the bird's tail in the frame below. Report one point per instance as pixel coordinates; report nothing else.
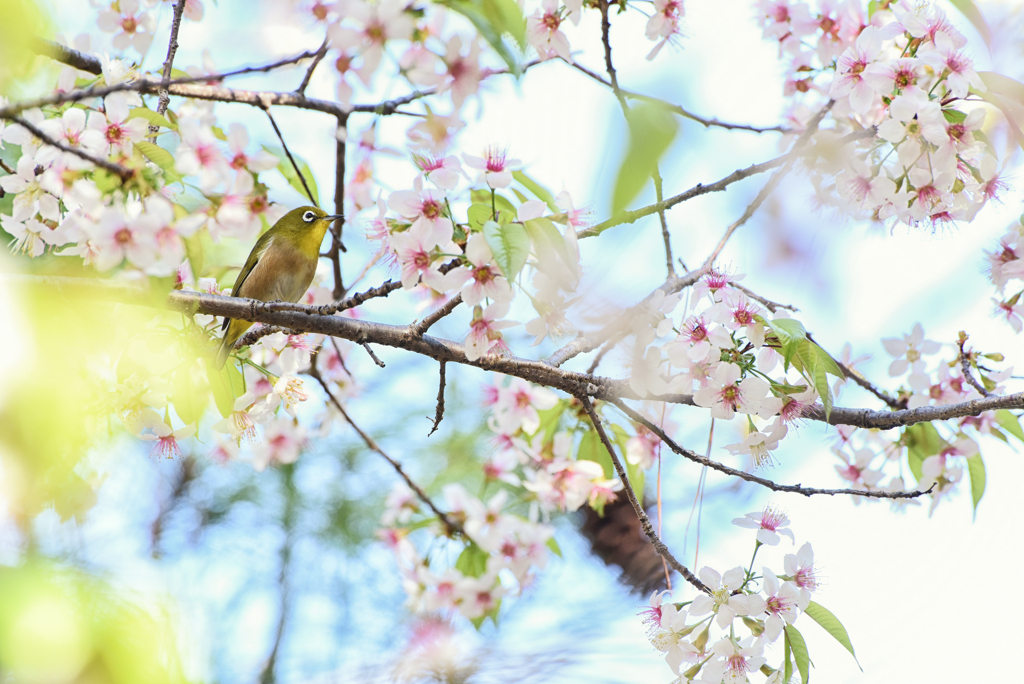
(226, 345)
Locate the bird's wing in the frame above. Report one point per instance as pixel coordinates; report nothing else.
(260, 248)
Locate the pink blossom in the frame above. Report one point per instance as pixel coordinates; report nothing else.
(496, 165)
(485, 329)
(543, 33)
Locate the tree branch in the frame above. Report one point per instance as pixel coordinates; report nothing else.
(308, 319)
(676, 109)
(453, 527)
(439, 411)
(122, 172)
(449, 306)
(287, 152)
(645, 522)
(749, 477)
(301, 90)
(172, 49)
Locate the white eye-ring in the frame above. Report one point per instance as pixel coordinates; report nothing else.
(308, 216)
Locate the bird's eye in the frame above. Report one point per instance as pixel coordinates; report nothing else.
(308, 216)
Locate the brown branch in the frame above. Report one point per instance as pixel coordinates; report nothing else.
(308, 319)
(718, 186)
(606, 42)
(966, 367)
(676, 109)
(453, 527)
(768, 304)
(7, 168)
(288, 523)
(772, 183)
(424, 325)
(439, 411)
(172, 49)
(664, 223)
(863, 382)
(69, 56)
(258, 333)
(337, 245)
(122, 172)
(373, 356)
(288, 152)
(749, 477)
(301, 90)
(645, 522)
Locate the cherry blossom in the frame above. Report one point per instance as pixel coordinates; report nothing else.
(496, 166)
(769, 523)
(132, 27)
(543, 33)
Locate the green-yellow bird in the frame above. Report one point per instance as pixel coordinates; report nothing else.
(280, 267)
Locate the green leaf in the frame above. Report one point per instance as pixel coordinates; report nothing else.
(553, 545)
(196, 254)
(472, 561)
(976, 469)
(651, 130)
(795, 640)
(973, 14)
(922, 440)
(1010, 423)
(549, 420)
(538, 190)
(492, 19)
(591, 449)
(831, 624)
(477, 215)
(787, 663)
(189, 396)
(510, 246)
(284, 165)
(226, 385)
(156, 154)
(788, 329)
(152, 117)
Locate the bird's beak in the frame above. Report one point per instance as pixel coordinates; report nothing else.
(335, 217)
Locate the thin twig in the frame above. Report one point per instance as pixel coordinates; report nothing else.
(373, 356)
(123, 173)
(743, 475)
(863, 382)
(608, 346)
(606, 41)
(772, 183)
(645, 522)
(664, 223)
(338, 226)
(439, 411)
(966, 367)
(424, 325)
(768, 304)
(288, 523)
(676, 109)
(172, 49)
(7, 168)
(301, 90)
(295, 166)
(451, 525)
(258, 333)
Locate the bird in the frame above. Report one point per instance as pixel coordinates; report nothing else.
(280, 266)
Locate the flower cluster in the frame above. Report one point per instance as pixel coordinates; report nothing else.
(901, 73)
(1005, 264)
(766, 605)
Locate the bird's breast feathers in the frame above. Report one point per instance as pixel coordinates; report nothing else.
(282, 272)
